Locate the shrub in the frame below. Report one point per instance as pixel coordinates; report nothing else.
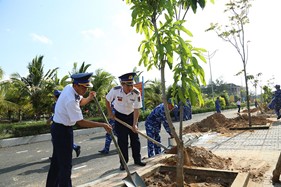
(31, 128)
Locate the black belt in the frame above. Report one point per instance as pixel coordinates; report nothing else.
(62, 125)
(123, 114)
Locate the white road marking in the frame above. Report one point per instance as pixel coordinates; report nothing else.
(80, 167)
(22, 151)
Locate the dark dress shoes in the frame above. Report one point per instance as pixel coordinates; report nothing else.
(122, 168)
(104, 152)
(140, 163)
(77, 150)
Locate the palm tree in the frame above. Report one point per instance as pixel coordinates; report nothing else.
(102, 83)
(61, 83)
(6, 106)
(83, 68)
(36, 85)
(1, 73)
(153, 94)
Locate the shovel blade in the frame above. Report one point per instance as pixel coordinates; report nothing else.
(172, 142)
(134, 180)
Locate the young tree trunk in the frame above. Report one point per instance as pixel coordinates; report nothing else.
(247, 95)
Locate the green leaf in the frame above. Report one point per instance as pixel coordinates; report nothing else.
(182, 28)
(202, 3)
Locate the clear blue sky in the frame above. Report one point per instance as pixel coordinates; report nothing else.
(99, 33)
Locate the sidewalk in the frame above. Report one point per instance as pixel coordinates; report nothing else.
(261, 147)
(258, 147)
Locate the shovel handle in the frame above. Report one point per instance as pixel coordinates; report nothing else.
(147, 137)
(114, 140)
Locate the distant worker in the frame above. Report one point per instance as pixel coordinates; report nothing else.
(276, 101)
(218, 105)
(75, 147)
(153, 127)
(256, 103)
(187, 110)
(238, 103)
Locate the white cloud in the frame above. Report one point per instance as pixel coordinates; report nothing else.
(93, 33)
(40, 38)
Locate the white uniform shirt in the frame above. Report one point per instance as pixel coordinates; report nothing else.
(125, 103)
(238, 102)
(67, 109)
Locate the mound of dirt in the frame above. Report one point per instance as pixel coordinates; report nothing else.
(201, 157)
(219, 123)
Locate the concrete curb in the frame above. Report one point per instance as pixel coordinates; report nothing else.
(44, 137)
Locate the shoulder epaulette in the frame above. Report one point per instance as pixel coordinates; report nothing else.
(136, 91)
(117, 87)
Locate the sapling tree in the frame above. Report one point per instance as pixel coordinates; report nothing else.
(166, 44)
(234, 33)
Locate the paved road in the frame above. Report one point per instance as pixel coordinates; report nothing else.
(27, 165)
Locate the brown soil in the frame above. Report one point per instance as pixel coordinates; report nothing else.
(200, 157)
(219, 123)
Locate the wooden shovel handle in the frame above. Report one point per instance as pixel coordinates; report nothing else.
(144, 135)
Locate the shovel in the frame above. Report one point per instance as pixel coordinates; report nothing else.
(131, 180)
(147, 137)
(276, 172)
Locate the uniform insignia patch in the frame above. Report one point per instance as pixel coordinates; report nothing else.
(138, 98)
(77, 97)
(136, 91)
(119, 98)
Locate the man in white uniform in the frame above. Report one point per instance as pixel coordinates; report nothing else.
(127, 102)
(68, 113)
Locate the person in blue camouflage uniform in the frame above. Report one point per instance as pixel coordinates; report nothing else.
(176, 113)
(153, 127)
(187, 115)
(276, 101)
(108, 137)
(218, 105)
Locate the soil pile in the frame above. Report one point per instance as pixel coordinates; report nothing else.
(219, 123)
(201, 157)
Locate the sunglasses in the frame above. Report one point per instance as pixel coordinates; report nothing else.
(83, 85)
(129, 85)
